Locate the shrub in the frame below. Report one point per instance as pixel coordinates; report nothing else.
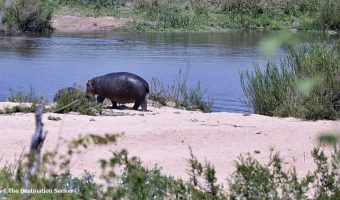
(303, 85)
(253, 180)
(25, 16)
(75, 100)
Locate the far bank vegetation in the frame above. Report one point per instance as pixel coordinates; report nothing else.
(193, 15)
(189, 15)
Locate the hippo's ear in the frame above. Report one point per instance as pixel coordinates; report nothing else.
(90, 83)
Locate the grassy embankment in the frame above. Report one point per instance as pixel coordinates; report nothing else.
(199, 15)
(215, 15)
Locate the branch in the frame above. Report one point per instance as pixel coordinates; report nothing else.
(38, 139)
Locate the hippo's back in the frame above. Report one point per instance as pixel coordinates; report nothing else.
(126, 78)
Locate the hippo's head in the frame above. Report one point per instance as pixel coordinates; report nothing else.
(90, 89)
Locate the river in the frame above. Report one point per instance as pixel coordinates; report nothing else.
(49, 63)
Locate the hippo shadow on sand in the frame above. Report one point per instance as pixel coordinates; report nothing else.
(121, 107)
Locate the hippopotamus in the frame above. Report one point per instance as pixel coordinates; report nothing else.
(71, 93)
(119, 87)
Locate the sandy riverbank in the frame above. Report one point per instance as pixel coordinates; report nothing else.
(163, 136)
(82, 23)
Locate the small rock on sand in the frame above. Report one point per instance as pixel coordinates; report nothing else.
(53, 118)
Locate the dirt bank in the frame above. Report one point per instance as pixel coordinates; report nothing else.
(82, 23)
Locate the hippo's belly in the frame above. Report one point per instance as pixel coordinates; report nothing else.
(123, 100)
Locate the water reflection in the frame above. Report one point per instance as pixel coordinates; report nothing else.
(23, 46)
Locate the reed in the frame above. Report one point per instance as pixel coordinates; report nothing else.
(302, 85)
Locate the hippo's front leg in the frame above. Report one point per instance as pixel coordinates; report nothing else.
(100, 99)
(114, 104)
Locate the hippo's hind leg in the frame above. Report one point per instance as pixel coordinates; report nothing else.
(136, 106)
(140, 103)
(144, 105)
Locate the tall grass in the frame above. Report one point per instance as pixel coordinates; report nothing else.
(179, 94)
(274, 7)
(329, 15)
(22, 96)
(242, 14)
(113, 4)
(25, 16)
(168, 16)
(302, 85)
(27, 101)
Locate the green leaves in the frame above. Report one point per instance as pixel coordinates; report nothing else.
(270, 46)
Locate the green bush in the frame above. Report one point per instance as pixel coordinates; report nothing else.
(253, 180)
(302, 85)
(75, 100)
(25, 16)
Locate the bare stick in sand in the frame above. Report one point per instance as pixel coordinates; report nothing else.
(37, 142)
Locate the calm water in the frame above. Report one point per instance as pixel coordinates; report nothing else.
(62, 59)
